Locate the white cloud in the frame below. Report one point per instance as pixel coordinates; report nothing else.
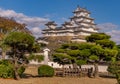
(112, 30)
(36, 31)
(32, 22)
(64, 19)
(115, 34)
(107, 26)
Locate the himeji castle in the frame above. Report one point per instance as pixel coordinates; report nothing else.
(78, 27)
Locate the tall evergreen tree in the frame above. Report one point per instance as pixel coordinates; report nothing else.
(100, 48)
(20, 43)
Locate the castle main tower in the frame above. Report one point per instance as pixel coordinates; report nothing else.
(77, 28)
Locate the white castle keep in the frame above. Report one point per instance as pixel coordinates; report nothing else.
(79, 26)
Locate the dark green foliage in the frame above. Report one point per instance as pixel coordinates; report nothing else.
(94, 58)
(73, 53)
(100, 48)
(111, 53)
(118, 46)
(36, 47)
(81, 62)
(39, 58)
(65, 46)
(62, 58)
(118, 55)
(114, 68)
(59, 50)
(74, 46)
(19, 43)
(104, 49)
(45, 71)
(97, 36)
(84, 53)
(5, 62)
(6, 69)
(85, 46)
(106, 43)
(20, 40)
(42, 45)
(97, 50)
(21, 70)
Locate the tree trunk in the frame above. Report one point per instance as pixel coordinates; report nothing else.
(17, 77)
(118, 78)
(96, 73)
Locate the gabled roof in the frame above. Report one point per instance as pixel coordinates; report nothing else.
(51, 23)
(67, 23)
(79, 9)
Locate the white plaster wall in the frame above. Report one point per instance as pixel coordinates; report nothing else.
(81, 19)
(41, 41)
(89, 29)
(83, 33)
(52, 26)
(84, 24)
(68, 26)
(87, 20)
(77, 20)
(78, 40)
(82, 14)
(54, 65)
(101, 68)
(35, 62)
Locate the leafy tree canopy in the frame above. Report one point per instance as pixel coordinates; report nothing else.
(19, 42)
(100, 48)
(97, 36)
(19, 39)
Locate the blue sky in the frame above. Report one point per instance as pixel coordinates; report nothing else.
(36, 13)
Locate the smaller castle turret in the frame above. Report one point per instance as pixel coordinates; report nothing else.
(51, 25)
(67, 25)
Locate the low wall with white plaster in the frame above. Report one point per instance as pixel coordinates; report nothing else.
(101, 68)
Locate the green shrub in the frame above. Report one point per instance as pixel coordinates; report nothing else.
(81, 62)
(6, 69)
(36, 57)
(21, 70)
(114, 68)
(5, 62)
(45, 71)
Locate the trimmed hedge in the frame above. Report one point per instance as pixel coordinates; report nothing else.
(45, 71)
